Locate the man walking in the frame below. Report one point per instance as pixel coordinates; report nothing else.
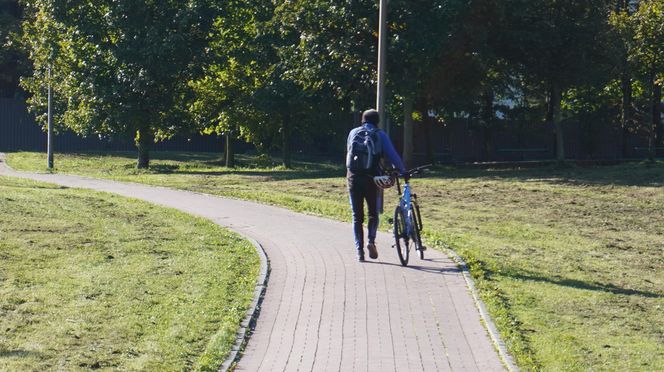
(366, 146)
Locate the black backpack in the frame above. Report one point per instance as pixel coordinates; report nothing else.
(364, 151)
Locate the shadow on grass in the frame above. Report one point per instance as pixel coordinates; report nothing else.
(625, 174)
(18, 353)
(637, 173)
(578, 284)
(277, 175)
(210, 164)
(29, 185)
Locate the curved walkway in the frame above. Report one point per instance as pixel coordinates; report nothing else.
(322, 310)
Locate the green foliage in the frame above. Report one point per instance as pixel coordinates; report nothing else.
(648, 46)
(551, 42)
(232, 73)
(117, 66)
(333, 46)
(13, 61)
(421, 35)
(641, 36)
(279, 73)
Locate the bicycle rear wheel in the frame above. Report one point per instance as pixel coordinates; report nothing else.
(401, 239)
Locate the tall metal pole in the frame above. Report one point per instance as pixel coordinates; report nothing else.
(49, 145)
(382, 52)
(380, 93)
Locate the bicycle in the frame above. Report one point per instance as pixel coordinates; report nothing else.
(407, 219)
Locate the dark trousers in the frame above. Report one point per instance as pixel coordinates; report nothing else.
(362, 188)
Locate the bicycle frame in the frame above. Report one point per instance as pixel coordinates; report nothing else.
(407, 220)
(405, 202)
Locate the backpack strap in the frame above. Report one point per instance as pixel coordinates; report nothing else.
(378, 140)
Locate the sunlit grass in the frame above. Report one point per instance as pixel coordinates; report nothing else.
(570, 261)
(90, 280)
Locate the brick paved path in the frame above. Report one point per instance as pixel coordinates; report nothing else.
(322, 310)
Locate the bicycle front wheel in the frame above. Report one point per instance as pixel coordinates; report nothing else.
(401, 236)
(416, 222)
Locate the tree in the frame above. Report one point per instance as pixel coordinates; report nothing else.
(469, 75)
(120, 68)
(648, 51)
(223, 99)
(639, 26)
(420, 35)
(623, 41)
(13, 62)
(326, 59)
(330, 48)
(333, 48)
(558, 46)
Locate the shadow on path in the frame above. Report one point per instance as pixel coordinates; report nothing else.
(428, 269)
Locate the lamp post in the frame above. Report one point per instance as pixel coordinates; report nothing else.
(49, 141)
(380, 93)
(382, 51)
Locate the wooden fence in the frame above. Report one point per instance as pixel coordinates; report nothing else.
(19, 131)
(453, 142)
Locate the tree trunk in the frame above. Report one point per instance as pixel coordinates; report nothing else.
(285, 140)
(655, 127)
(487, 140)
(487, 125)
(657, 113)
(144, 139)
(428, 132)
(556, 116)
(229, 151)
(626, 109)
(408, 132)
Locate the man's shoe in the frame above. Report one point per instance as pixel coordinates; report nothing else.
(373, 252)
(360, 255)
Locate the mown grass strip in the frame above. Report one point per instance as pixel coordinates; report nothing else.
(90, 280)
(570, 261)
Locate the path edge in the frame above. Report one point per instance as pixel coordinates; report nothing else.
(249, 321)
(498, 342)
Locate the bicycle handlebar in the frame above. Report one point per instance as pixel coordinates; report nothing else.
(411, 172)
(418, 170)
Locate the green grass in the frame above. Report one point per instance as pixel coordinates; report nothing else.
(90, 280)
(570, 261)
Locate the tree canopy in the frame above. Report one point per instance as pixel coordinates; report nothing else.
(281, 74)
(119, 68)
(13, 62)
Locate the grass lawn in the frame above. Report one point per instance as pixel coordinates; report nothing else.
(91, 280)
(569, 261)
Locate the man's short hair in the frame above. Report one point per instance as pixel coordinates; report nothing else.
(371, 116)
